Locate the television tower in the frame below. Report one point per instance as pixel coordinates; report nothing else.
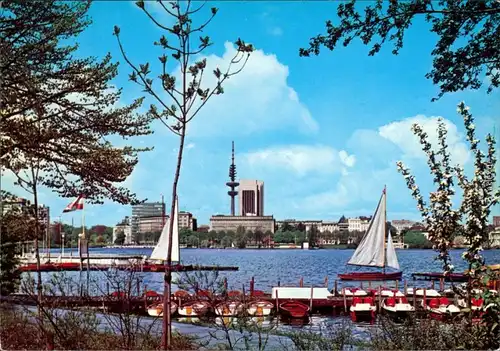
(232, 184)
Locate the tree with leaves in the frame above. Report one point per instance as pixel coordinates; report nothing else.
(57, 111)
(186, 94)
(120, 238)
(470, 219)
(467, 46)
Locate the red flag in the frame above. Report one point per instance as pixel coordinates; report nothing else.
(75, 205)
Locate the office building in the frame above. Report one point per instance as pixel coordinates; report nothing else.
(147, 209)
(251, 198)
(250, 223)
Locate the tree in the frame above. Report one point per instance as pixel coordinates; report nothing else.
(227, 241)
(185, 99)
(440, 219)
(313, 235)
(57, 110)
(479, 195)
(467, 31)
(301, 227)
(286, 227)
(120, 238)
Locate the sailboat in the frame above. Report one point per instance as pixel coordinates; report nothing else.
(373, 251)
(160, 252)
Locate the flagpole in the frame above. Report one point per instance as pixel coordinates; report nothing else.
(83, 218)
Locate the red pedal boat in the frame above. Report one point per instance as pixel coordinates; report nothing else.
(294, 309)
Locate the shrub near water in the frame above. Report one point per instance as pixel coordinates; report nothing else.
(19, 331)
(427, 334)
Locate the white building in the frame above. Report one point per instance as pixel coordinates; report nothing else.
(328, 227)
(402, 224)
(124, 227)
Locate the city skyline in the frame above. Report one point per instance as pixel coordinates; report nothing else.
(323, 133)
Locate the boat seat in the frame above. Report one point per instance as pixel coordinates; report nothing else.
(182, 293)
(151, 293)
(403, 300)
(391, 301)
(357, 300)
(477, 302)
(369, 300)
(204, 293)
(444, 301)
(433, 303)
(234, 293)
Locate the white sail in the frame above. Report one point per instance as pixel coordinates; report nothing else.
(160, 251)
(392, 259)
(370, 251)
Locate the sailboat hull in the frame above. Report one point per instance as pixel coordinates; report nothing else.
(366, 276)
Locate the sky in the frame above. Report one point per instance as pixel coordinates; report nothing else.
(324, 133)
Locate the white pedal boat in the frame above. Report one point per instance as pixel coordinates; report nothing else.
(440, 308)
(229, 309)
(363, 308)
(260, 308)
(193, 309)
(156, 310)
(397, 307)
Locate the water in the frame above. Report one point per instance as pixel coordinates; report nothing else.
(268, 267)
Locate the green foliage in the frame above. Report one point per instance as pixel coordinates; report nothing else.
(120, 238)
(466, 30)
(9, 275)
(417, 240)
(289, 237)
(52, 96)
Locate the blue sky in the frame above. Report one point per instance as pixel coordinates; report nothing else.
(323, 133)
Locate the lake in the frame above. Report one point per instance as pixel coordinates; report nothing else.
(287, 266)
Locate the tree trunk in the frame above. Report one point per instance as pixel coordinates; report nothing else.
(167, 322)
(37, 254)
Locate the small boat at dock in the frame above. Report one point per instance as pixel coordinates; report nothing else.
(440, 308)
(156, 310)
(397, 307)
(260, 308)
(294, 309)
(193, 309)
(229, 309)
(363, 309)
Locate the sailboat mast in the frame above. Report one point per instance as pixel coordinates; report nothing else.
(385, 226)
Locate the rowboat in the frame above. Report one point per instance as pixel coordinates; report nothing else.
(156, 310)
(260, 308)
(294, 309)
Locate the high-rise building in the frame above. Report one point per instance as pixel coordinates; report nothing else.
(147, 209)
(251, 198)
(496, 221)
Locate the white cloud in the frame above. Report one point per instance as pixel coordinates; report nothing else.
(400, 134)
(190, 146)
(348, 160)
(276, 31)
(257, 99)
(300, 159)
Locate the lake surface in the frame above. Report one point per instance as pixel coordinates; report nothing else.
(287, 266)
